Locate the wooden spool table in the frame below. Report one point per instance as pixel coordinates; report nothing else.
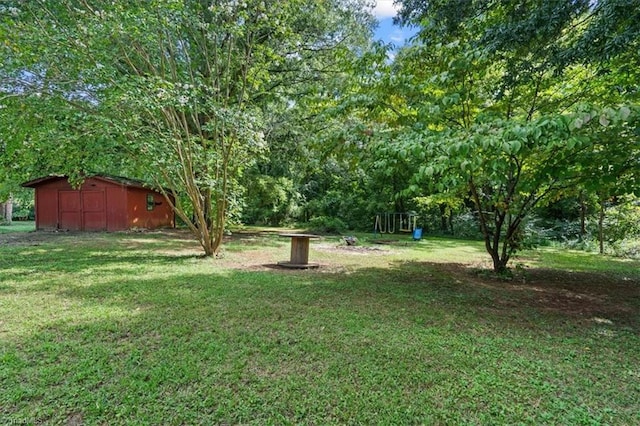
(299, 252)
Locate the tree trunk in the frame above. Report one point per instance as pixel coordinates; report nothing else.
(601, 226)
(218, 231)
(443, 218)
(497, 250)
(583, 215)
(499, 264)
(491, 238)
(6, 210)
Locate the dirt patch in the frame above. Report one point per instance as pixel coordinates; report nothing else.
(599, 298)
(27, 238)
(355, 250)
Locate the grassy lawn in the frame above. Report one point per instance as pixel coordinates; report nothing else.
(22, 226)
(135, 328)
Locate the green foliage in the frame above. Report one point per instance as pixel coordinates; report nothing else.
(437, 211)
(23, 213)
(466, 226)
(623, 219)
(509, 111)
(351, 208)
(270, 201)
(326, 225)
(559, 224)
(176, 92)
(324, 144)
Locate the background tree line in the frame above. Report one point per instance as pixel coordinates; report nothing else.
(514, 122)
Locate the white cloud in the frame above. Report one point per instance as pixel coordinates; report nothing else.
(385, 9)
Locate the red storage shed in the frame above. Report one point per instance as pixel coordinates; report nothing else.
(101, 203)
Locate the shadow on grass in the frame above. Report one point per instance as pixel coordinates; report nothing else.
(532, 294)
(135, 329)
(418, 340)
(61, 261)
(118, 329)
(137, 257)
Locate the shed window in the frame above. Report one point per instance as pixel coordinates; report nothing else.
(150, 202)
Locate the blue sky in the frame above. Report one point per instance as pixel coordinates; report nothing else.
(385, 10)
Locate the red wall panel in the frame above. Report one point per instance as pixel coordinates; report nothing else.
(161, 216)
(99, 205)
(69, 210)
(116, 208)
(46, 208)
(94, 216)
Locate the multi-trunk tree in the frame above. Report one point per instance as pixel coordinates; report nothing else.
(517, 101)
(179, 89)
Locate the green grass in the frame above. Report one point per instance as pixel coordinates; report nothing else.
(22, 226)
(575, 260)
(137, 329)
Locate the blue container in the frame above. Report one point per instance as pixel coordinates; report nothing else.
(417, 234)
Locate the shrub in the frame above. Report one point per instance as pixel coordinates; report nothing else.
(466, 226)
(326, 225)
(23, 214)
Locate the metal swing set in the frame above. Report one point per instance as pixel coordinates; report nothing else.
(390, 222)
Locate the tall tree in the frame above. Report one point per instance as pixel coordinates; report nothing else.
(514, 104)
(179, 86)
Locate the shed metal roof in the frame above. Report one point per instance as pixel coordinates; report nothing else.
(118, 180)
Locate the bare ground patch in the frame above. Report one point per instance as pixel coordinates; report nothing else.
(353, 250)
(597, 297)
(25, 238)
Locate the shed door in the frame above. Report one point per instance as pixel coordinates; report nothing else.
(69, 207)
(94, 216)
